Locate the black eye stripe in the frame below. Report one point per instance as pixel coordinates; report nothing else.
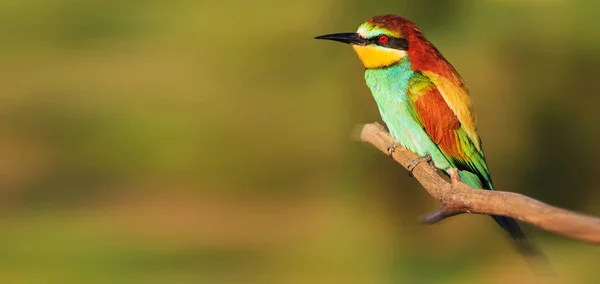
(393, 42)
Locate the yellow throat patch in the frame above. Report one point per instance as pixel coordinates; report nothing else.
(375, 56)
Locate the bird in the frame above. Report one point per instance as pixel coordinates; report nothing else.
(424, 103)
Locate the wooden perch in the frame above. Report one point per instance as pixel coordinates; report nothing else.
(457, 197)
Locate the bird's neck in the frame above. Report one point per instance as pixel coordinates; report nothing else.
(391, 82)
(425, 57)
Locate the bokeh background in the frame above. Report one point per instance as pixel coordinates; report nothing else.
(209, 142)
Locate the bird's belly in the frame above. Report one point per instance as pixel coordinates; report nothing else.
(404, 129)
(409, 133)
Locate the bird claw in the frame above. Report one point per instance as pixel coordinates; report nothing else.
(392, 148)
(415, 162)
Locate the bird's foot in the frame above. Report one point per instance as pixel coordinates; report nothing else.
(392, 148)
(440, 215)
(415, 162)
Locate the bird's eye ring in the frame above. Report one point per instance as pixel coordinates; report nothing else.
(383, 39)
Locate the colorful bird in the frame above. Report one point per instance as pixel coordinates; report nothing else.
(424, 102)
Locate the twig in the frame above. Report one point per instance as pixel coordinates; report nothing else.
(457, 197)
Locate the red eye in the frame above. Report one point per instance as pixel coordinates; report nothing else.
(383, 39)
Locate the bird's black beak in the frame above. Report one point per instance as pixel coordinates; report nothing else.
(350, 38)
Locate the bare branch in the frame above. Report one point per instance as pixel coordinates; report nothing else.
(458, 197)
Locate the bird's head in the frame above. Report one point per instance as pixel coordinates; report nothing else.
(379, 42)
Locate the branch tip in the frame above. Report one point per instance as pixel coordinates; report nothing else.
(443, 213)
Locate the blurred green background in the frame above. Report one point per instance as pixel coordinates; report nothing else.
(209, 142)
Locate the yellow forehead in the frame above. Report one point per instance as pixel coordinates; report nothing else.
(373, 56)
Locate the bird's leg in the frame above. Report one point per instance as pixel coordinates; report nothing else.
(440, 215)
(392, 148)
(415, 162)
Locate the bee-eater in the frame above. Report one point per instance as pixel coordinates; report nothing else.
(424, 102)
